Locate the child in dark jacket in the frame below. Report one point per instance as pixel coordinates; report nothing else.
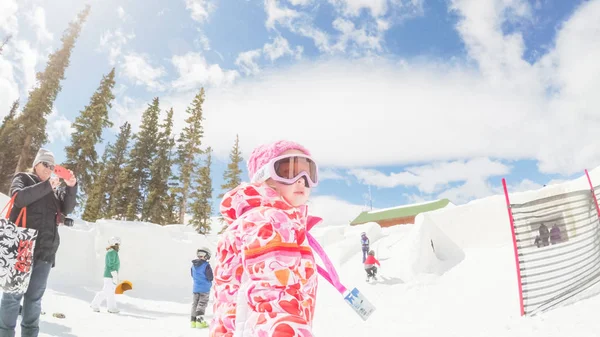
(203, 275)
(370, 267)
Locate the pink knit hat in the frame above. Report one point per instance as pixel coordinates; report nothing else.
(264, 153)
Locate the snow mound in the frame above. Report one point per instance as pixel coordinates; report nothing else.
(345, 247)
(426, 250)
(154, 258)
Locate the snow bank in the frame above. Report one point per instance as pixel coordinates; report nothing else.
(345, 247)
(426, 250)
(485, 222)
(155, 259)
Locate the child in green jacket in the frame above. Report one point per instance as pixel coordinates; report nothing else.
(111, 278)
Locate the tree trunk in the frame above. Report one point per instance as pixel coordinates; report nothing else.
(21, 166)
(183, 205)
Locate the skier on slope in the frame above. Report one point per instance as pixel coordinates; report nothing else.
(203, 275)
(364, 241)
(370, 267)
(112, 265)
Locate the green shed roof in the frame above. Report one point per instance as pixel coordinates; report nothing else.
(399, 212)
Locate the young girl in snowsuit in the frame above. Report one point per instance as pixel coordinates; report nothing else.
(111, 278)
(370, 263)
(265, 271)
(203, 275)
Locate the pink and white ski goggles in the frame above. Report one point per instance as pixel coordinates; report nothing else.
(287, 169)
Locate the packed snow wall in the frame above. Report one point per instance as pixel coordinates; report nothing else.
(155, 259)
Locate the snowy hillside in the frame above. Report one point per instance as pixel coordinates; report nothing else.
(450, 274)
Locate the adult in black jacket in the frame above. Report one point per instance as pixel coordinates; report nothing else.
(46, 204)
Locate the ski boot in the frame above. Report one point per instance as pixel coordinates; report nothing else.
(201, 323)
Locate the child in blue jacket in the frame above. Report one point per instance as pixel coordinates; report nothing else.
(203, 275)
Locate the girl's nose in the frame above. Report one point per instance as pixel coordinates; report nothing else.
(303, 181)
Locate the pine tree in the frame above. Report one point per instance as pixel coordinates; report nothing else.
(32, 122)
(233, 173)
(96, 199)
(172, 214)
(81, 154)
(156, 204)
(10, 117)
(117, 159)
(142, 156)
(202, 195)
(188, 150)
(122, 195)
(8, 149)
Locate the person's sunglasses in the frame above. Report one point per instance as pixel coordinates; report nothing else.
(48, 166)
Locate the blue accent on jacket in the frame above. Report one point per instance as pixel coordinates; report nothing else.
(365, 243)
(203, 276)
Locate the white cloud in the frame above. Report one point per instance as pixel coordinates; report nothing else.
(296, 22)
(300, 2)
(556, 182)
(8, 16)
(121, 13)
(9, 90)
(26, 58)
(278, 15)
(195, 72)
(127, 109)
(360, 37)
(279, 48)
(247, 61)
(202, 41)
(406, 112)
(416, 199)
(21, 56)
(333, 210)
(475, 188)
(499, 55)
(137, 68)
(200, 10)
(113, 42)
(431, 178)
(417, 111)
(573, 71)
(524, 186)
(59, 127)
(354, 7)
(37, 18)
(329, 174)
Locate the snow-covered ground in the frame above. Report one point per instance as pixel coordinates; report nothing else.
(450, 274)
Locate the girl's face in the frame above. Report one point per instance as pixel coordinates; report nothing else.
(297, 193)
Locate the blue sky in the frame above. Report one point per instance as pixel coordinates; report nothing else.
(418, 99)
